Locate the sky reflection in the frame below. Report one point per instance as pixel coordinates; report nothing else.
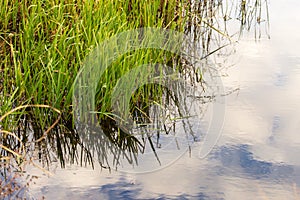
(257, 156)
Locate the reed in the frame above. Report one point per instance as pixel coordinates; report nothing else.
(43, 45)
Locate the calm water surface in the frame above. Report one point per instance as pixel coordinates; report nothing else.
(257, 155)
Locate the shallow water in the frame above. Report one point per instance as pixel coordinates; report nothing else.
(256, 156)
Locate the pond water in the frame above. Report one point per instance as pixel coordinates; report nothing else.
(256, 156)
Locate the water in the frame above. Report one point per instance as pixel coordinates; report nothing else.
(256, 156)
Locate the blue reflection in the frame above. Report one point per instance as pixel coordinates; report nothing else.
(199, 196)
(125, 190)
(120, 190)
(281, 79)
(241, 160)
(275, 128)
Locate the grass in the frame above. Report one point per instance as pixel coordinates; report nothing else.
(43, 45)
(42, 48)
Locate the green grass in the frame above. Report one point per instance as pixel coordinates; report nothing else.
(42, 48)
(43, 45)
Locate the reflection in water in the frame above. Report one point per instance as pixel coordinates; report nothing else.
(240, 161)
(275, 128)
(120, 189)
(257, 156)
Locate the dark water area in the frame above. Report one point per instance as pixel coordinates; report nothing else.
(257, 154)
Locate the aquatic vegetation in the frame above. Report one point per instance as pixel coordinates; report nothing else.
(42, 48)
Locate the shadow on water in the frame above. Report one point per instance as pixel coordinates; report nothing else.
(41, 136)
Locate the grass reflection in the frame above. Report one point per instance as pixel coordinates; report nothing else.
(42, 45)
